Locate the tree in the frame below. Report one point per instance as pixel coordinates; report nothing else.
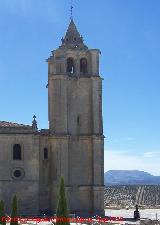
(14, 216)
(2, 214)
(62, 212)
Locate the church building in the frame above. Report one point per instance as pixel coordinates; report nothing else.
(32, 160)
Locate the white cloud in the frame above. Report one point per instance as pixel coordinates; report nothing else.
(130, 138)
(123, 160)
(152, 154)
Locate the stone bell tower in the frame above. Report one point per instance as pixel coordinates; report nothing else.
(75, 123)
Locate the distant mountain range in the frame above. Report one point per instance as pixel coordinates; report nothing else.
(130, 177)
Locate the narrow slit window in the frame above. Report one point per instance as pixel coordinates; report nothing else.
(45, 151)
(78, 120)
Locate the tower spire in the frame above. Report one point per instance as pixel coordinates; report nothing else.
(72, 39)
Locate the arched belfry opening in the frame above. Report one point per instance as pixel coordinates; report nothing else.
(70, 65)
(83, 65)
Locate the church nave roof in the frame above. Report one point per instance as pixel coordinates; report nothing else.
(11, 124)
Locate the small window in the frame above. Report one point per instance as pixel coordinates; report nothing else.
(45, 153)
(78, 120)
(17, 154)
(75, 38)
(70, 65)
(83, 65)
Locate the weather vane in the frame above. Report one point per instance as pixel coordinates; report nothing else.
(71, 10)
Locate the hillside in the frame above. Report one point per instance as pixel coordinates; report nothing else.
(130, 195)
(130, 177)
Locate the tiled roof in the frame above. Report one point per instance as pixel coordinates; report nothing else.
(10, 124)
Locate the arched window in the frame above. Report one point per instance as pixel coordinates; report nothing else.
(70, 65)
(45, 153)
(17, 153)
(83, 65)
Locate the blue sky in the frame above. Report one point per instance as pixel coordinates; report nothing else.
(126, 31)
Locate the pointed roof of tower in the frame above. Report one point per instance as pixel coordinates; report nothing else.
(72, 30)
(73, 39)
